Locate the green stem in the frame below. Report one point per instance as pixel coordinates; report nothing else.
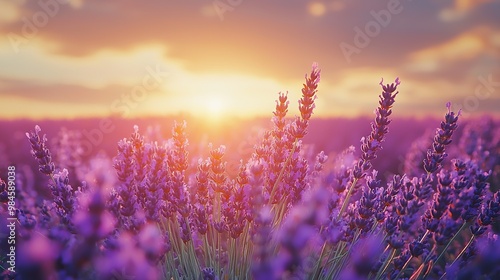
(346, 256)
(404, 267)
(280, 176)
(347, 198)
(429, 256)
(193, 260)
(280, 210)
(425, 235)
(385, 265)
(448, 244)
(465, 249)
(317, 266)
(207, 251)
(337, 255)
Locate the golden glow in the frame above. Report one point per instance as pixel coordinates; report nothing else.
(215, 108)
(9, 11)
(460, 9)
(465, 5)
(218, 95)
(317, 9)
(216, 70)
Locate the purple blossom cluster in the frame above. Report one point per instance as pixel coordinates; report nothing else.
(286, 213)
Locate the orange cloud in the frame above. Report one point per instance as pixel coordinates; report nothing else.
(464, 47)
(460, 9)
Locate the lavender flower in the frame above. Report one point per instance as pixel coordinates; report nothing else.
(436, 154)
(369, 204)
(156, 182)
(371, 144)
(64, 197)
(124, 166)
(306, 103)
(4, 197)
(263, 267)
(202, 206)
(365, 260)
(279, 147)
(278, 217)
(209, 274)
(40, 151)
(141, 163)
(298, 230)
(440, 203)
(37, 258)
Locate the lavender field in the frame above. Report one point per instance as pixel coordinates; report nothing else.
(298, 199)
(233, 139)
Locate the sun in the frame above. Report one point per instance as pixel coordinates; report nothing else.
(214, 106)
(215, 109)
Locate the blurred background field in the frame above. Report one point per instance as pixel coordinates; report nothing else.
(82, 138)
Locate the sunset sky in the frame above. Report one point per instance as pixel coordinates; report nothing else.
(85, 58)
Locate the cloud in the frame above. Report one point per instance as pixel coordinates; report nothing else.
(467, 46)
(63, 94)
(100, 49)
(10, 11)
(99, 69)
(203, 43)
(460, 9)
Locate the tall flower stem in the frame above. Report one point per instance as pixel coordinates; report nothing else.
(347, 198)
(472, 238)
(371, 144)
(317, 266)
(464, 225)
(404, 267)
(282, 172)
(386, 264)
(298, 130)
(346, 255)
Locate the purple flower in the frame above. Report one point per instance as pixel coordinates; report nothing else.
(156, 182)
(124, 166)
(416, 248)
(152, 242)
(203, 199)
(36, 258)
(371, 144)
(178, 160)
(64, 197)
(209, 274)
(364, 259)
(263, 267)
(440, 203)
(92, 220)
(306, 103)
(301, 228)
(4, 197)
(475, 198)
(436, 154)
(40, 151)
(127, 261)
